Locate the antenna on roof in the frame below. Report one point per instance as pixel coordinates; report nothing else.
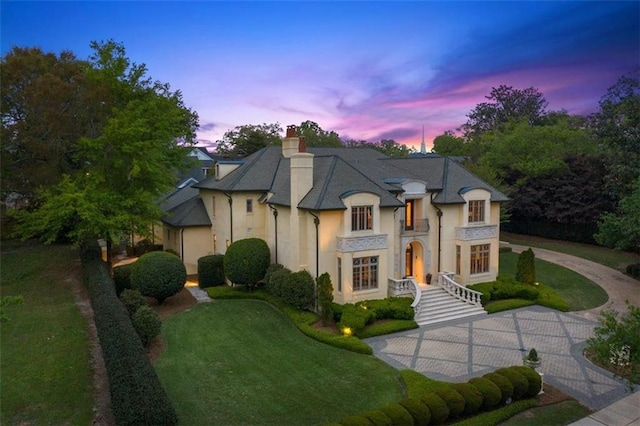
(423, 147)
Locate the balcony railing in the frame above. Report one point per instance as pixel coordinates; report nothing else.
(445, 280)
(420, 226)
(406, 286)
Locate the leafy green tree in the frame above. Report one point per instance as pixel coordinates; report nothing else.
(158, 274)
(126, 168)
(616, 340)
(505, 104)
(386, 146)
(247, 139)
(316, 136)
(449, 144)
(246, 261)
(621, 229)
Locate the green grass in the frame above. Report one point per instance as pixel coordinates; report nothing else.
(499, 415)
(243, 362)
(579, 292)
(559, 414)
(46, 375)
(615, 259)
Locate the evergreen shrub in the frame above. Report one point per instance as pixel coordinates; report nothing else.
(277, 282)
(268, 280)
(534, 380)
(158, 274)
(147, 324)
(505, 386)
(325, 298)
(378, 418)
(454, 401)
(634, 270)
(355, 318)
(438, 408)
(472, 398)
(390, 308)
(526, 267)
(132, 300)
(297, 290)
(418, 410)
(246, 261)
(211, 271)
(491, 394)
(356, 421)
(398, 414)
(519, 382)
(122, 277)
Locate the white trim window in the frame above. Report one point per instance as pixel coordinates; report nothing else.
(476, 211)
(361, 218)
(480, 258)
(365, 273)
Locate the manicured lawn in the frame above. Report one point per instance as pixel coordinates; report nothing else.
(559, 414)
(579, 292)
(46, 375)
(243, 362)
(615, 259)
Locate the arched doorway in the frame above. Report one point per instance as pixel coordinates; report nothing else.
(414, 261)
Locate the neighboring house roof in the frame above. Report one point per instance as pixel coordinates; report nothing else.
(178, 197)
(189, 213)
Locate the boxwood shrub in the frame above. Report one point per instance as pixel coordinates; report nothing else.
(505, 386)
(122, 277)
(356, 421)
(355, 318)
(158, 274)
(211, 271)
(418, 410)
(132, 300)
(137, 396)
(438, 408)
(454, 401)
(519, 382)
(378, 418)
(147, 324)
(275, 281)
(491, 394)
(472, 398)
(533, 379)
(297, 290)
(390, 308)
(398, 414)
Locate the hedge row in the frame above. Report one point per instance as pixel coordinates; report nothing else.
(211, 271)
(293, 288)
(459, 400)
(505, 287)
(137, 396)
(634, 270)
(357, 316)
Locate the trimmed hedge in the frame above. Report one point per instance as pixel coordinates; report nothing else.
(454, 401)
(137, 396)
(472, 398)
(355, 318)
(147, 323)
(491, 394)
(297, 290)
(519, 382)
(418, 410)
(378, 418)
(158, 274)
(533, 379)
(437, 407)
(356, 421)
(505, 386)
(211, 271)
(526, 267)
(398, 414)
(390, 308)
(246, 261)
(132, 300)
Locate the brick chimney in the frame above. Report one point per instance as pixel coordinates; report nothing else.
(290, 142)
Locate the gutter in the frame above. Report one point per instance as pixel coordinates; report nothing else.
(439, 213)
(230, 216)
(275, 219)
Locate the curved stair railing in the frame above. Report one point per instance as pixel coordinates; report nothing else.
(404, 286)
(446, 281)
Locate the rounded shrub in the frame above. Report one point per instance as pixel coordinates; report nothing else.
(533, 379)
(505, 386)
(211, 271)
(454, 401)
(132, 300)
(438, 408)
(122, 277)
(378, 418)
(491, 394)
(298, 290)
(398, 414)
(519, 382)
(355, 421)
(158, 274)
(418, 410)
(472, 398)
(277, 282)
(146, 323)
(268, 280)
(246, 261)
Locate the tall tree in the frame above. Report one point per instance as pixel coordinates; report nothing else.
(449, 144)
(621, 229)
(127, 167)
(316, 136)
(249, 138)
(386, 146)
(505, 104)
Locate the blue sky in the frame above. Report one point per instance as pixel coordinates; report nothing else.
(367, 70)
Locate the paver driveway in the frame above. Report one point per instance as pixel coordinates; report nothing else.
(459, 350)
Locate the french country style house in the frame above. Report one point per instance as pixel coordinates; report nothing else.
(379, 226)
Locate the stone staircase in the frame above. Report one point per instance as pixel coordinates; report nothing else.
(436, 305)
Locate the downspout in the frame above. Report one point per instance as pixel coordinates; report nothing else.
(316, 221)
(439, 213)
(275, 219)
(182, 244)
(230, 216)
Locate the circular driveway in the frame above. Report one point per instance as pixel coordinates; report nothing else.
(459, 350)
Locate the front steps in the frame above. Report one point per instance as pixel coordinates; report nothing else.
(436, 306)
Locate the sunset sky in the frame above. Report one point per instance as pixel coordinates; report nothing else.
(367, 70)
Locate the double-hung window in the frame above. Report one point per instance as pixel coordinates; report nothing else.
(476, 211)
(365, 273)
(361, 218)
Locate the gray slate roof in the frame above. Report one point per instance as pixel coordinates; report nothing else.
(189, 213)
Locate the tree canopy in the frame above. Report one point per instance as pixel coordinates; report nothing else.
(386, 146)
(247, 139)
(123, 166)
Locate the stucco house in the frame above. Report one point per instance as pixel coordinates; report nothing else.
(379, 226)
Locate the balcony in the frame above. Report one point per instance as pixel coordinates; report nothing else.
(420, 226)
(469, 233)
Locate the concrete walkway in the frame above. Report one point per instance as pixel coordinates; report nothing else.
(462, 349)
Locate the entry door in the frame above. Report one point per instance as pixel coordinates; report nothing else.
(408, 261)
